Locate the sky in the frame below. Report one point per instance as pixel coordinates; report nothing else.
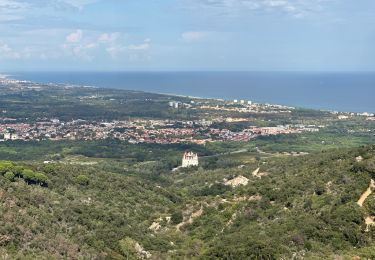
(192, 35)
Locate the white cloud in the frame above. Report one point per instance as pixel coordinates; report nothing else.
(109, 37)
(75, 45)
(74, 37)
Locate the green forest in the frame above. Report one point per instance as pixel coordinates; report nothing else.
(302, 207)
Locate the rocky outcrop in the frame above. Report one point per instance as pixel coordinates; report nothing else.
(239, 180)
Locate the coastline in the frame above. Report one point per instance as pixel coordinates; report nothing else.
(337, 98)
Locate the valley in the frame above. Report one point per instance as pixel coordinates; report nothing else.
(270, 185)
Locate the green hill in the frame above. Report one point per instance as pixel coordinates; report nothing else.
(295, 206)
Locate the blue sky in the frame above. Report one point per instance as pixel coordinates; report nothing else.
(270, 35)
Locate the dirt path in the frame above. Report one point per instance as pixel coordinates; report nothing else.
(367, 193)
(255, 173)
(369, 220)
(191, 218)
(260, 151)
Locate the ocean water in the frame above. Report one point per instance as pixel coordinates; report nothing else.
(354, 92)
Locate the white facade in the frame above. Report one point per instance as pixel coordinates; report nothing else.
(174, 104)
(190, 159)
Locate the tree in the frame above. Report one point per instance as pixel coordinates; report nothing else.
(9, 175)
(17, 170)
(28, 175)
(40, 178)
(127, 247)
(5, 166)
(83, 180)
(177, 217)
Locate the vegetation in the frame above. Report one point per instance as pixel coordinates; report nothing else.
(110, 199)
(304, 206)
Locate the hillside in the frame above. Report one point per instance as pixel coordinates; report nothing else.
(299, 206)
(89, 173)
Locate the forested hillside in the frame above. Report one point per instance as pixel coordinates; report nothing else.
(292, 206)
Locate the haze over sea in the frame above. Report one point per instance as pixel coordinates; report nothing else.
(354, 92)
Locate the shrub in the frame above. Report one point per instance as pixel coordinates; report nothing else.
(127, 247)
(28, 175)
(177, 217)
(17, 170)
(5, 166)
(40, 178)
(9, 175)
(83, 180)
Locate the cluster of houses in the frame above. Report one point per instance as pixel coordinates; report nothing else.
(346, 116)
(253, 108)
(139, 131)
(251, 133)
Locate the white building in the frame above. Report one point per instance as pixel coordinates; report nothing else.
(174, 104)
(11, 136)
(343, 117)
(7, 136)
(189, 159)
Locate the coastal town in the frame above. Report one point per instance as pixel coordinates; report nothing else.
(182, 119)
(200, 129)
(140, 131)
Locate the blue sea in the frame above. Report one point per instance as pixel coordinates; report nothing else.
(354, 92)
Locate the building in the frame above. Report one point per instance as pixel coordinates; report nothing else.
(174, 104)
(10, 136)
(343, 117)
(189, 159)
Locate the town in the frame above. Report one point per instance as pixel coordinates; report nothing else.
(209, 118)
(140, 131)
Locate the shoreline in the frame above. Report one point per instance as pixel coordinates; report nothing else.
(301, 107)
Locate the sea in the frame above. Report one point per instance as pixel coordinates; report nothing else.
(345, 92)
